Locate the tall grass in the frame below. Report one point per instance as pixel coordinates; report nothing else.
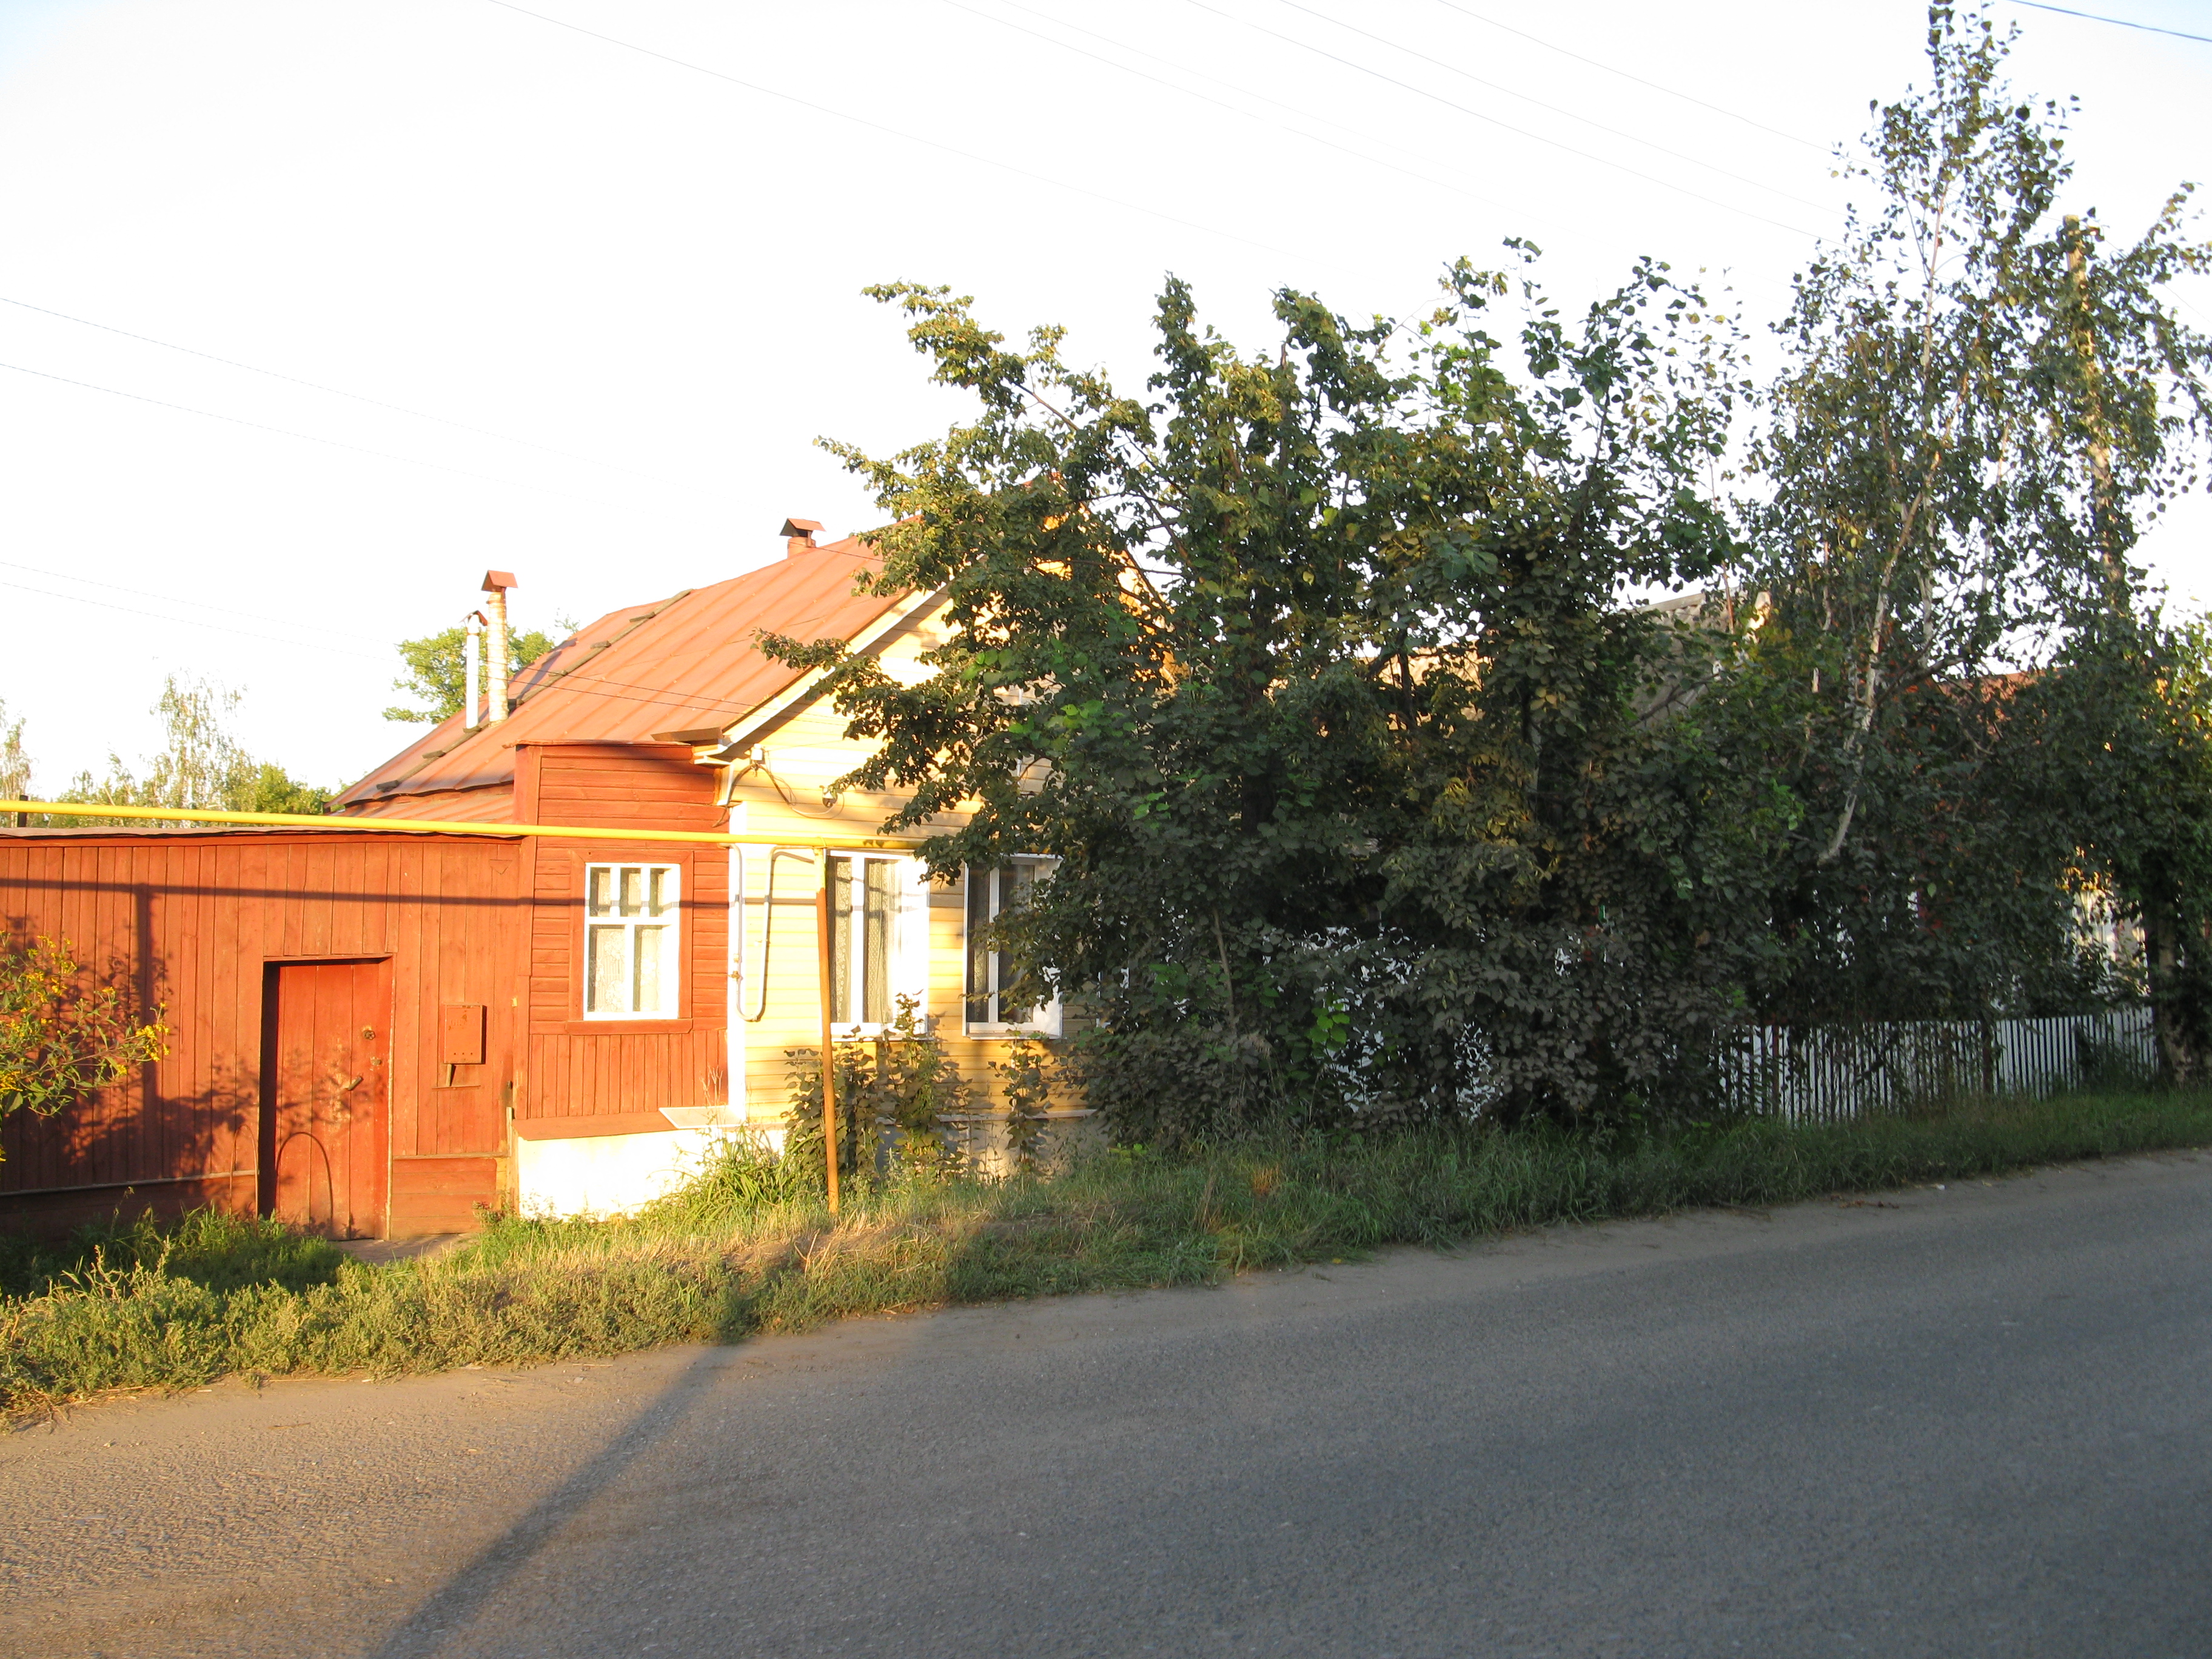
(743, 1249)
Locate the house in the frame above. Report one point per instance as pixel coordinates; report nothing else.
(378, 1030)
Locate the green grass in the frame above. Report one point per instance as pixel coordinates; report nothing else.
(734, 1253)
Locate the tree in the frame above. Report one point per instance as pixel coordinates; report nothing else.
(15, 763)
(201, 764)
(2120, 729)
(1317, 675)
(62, 1036)
(437, 668)
(1376, 794)
(1976, 412)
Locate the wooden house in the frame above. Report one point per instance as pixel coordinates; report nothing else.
(379, 1031)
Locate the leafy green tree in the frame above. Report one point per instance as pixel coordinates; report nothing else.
(2120, 729)
(1316, 673)
(201, 764)
(1374, 792)
(62, 1035)
(1978, 410)
(437, 669)
(15, 760)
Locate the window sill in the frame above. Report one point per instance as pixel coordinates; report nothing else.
(624, 1027)
(1009, 1033)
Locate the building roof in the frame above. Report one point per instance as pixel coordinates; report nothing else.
(685, 665)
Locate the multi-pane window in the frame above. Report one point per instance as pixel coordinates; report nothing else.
(864, 937)
(630, 924)
(998, 1000)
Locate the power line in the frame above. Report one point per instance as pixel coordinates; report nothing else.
(286, 432)
(187, 621)
(339, 391)
(573, 682)
(582, 686)
(1219, 103)
(1468, 75)
(1437, 98)
(916, 138)
(1453, 5)
(2117, 22)
(169, 598)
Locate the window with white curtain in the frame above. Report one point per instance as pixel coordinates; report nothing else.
(998, 1004)
(878, 924)
(632, 920)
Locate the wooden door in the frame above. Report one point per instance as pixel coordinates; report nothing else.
(325, 1095)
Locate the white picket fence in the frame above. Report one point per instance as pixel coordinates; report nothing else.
(1825, 1073)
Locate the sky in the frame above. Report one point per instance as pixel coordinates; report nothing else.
(312, 311)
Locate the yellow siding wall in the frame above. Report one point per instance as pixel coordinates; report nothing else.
(803, 755)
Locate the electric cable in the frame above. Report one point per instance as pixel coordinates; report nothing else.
(1454, 5)
(1220, 103)
(186, 622)
(304, 437)
(1556, 109)
(339, 391)
(917, 138)
(173, 598)
(1507, 126)
(2117, 22)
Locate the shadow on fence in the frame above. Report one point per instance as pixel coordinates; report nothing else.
(1825, 1073)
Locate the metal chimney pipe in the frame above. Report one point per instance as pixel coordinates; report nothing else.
(472, 669)
(496, 584)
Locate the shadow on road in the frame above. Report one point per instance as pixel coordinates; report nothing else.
(455, 1606)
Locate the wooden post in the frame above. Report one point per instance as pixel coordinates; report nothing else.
(825, 917)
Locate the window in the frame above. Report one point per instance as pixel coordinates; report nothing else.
(631, 922)
(997, 1002)
(869, 943)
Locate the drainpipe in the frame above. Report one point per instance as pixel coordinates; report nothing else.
(471, 670)
(496, 584)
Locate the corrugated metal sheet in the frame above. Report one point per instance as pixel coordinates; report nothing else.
(689, 661)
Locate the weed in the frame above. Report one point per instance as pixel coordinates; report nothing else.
(747, 1245)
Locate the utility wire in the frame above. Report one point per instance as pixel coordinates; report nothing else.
(1221, 103)
(578, 683)
(171, 598)
(1439, 98)
(836, 113)
(187, 622)
(339, 391)
(1453, 5)
(286, 432)
(2117, 22)
(1556, 109)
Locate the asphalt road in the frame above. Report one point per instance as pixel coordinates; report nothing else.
(1962, 1422)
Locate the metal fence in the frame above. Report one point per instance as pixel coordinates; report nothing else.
(1826, 1073)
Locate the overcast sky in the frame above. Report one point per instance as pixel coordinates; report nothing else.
(577, 311)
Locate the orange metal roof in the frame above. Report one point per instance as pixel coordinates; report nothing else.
(688, 662)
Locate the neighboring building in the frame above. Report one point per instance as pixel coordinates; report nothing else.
(380, 1031)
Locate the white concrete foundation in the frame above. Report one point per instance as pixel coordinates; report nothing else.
(605, 1174)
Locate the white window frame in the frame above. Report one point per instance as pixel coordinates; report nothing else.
(669, 919)
(905, 953)
(1044, 1019)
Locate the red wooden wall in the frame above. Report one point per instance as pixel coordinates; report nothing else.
(586, 1077)
(191, 920)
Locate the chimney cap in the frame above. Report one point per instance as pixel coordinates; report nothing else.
(498, 581)
(799, 527)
